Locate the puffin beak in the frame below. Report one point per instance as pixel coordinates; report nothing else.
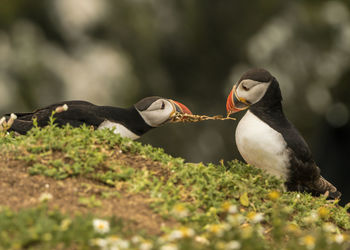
(234, 103)
(179, 108)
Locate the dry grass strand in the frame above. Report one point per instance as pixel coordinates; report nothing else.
(178, 117)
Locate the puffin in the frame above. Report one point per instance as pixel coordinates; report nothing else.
(267, 140)
(133, 122)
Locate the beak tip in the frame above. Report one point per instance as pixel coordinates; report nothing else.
(187, 111)
(229, 103)
(182, 107)
(233, 105)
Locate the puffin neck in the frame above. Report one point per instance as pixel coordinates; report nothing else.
(130, 118)
(142, 127)
(271, 103)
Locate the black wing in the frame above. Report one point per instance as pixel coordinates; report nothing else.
(78, 113)
(305, 174)
(302, 166)
(28, 116)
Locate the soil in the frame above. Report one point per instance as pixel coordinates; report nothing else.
(141, 162)
(20, 190)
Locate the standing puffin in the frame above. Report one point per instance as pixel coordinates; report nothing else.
(267, 140)
(133, 122)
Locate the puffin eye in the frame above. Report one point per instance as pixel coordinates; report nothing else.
(163, 105)
(245, 87)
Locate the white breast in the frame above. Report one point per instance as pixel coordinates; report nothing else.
(118, 129)
(262, 146)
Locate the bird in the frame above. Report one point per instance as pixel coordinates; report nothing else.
(133, 122)
(267, 140)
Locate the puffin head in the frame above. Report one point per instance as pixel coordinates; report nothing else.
(252, 89)
(156, 110)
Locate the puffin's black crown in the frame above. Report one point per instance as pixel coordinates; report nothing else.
(259, 75)
(146, 102)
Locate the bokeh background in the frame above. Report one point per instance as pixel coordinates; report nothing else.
(115, 52)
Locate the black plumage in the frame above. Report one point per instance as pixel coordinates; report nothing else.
(79, 113)
(303, 174)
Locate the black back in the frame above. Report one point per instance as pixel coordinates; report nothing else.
(269, 109)
(79, 113)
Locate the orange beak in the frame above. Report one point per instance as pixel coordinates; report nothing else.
(181, 108)
(234, 103)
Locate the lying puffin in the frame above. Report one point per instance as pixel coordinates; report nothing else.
(267, 140)
(133, 122)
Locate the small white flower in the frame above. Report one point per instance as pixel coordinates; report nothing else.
(217, 229)
(339, 238)
(202, 240)
(136, 239)
(45, 197)
(176, 234)
(146, 245)
(180, 211)
(2, 120)
(313, 217)
(229, 208)
(258, 218)
(181, 233)
(13, 116)
(101, 226)
(121, 244)
(329, 227)
(255, 217)
(112, 239)
(233, 209)
(309, 241)
(233, 245)
(116, 242)
(102, 243)
(236, 220)
(169, 247)
(62, 108)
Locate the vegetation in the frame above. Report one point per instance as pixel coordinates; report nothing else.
(225, 206)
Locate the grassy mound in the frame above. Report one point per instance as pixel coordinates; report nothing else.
(70, 188)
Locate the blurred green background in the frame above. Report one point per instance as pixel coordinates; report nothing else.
(115, 52)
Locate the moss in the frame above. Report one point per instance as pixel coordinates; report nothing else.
(222, 202)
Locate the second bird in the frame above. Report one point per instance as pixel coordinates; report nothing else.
(267, 140)
(133, 122)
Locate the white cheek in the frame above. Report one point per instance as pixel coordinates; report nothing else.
(255, 93)
(156, 118)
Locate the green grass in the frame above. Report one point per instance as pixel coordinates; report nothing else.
(229, 204)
